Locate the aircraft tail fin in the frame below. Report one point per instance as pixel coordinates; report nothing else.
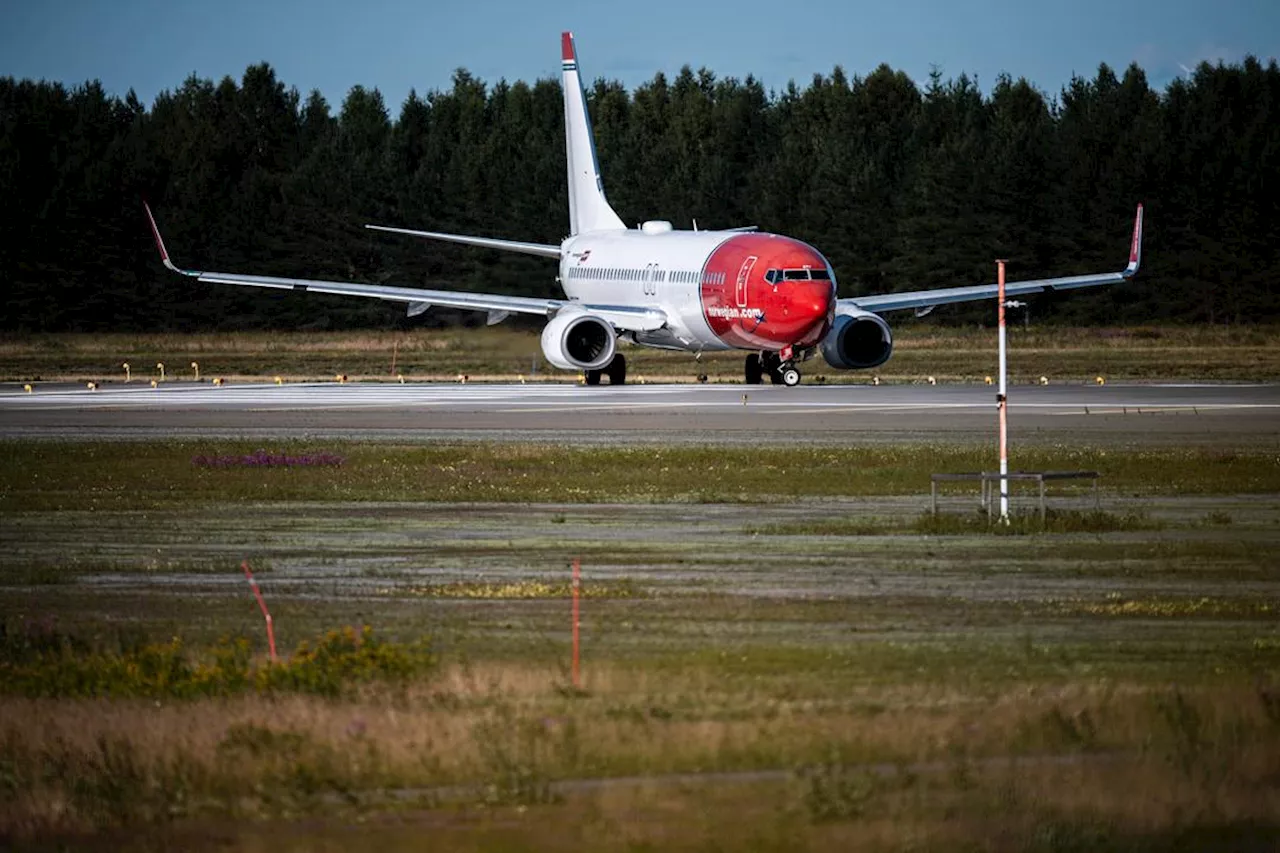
(588, 208)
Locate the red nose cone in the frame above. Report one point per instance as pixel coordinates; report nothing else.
(767, 292)
(806, 308)
(796, 314)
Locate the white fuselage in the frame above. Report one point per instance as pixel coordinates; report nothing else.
(663, 270)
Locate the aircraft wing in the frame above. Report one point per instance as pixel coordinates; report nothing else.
(927, 299)
(624, 317)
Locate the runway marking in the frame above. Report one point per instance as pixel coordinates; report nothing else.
(562, 398)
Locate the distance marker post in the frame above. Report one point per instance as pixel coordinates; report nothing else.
(266, 614)
(1002, 400)
(577, 588)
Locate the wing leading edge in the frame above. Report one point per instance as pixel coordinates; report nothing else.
(622, 317)
(925, 299)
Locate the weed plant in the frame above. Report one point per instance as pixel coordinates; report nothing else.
(36, 660)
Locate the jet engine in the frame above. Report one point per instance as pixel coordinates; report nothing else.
(576, 340)
(857, 340)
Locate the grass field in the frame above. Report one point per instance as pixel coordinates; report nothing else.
(1218, 353)
(766, 665)
(101, 475)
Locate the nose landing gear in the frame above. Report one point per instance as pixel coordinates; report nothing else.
(780, 372)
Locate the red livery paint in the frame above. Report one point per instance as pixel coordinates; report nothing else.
(566, 47)
(746, 310)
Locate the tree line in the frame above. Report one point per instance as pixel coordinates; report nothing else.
(902, 186)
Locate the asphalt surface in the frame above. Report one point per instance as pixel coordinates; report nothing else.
(830, 414)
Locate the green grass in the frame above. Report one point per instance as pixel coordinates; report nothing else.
(879, 679)
(36, 475)
(1020, 523)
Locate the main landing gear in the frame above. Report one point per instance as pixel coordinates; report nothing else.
(771, 364)
(616, 371)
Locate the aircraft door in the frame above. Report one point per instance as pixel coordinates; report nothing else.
(649, 280)
(744, 275)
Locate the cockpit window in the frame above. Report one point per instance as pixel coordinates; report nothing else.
(805, 274)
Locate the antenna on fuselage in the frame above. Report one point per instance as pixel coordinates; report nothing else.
(695, 223)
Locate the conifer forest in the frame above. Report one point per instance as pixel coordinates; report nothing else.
(902, 185)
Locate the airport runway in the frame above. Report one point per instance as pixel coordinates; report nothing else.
(835, 414)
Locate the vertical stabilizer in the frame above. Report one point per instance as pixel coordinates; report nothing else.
(588, 209)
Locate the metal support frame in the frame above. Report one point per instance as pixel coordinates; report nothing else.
(988, 479)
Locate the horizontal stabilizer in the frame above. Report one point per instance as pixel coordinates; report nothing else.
(543, 249)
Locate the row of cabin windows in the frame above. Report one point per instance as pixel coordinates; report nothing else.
(624, 274)
(689, 277)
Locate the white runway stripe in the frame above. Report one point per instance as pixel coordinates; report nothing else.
(573, 398)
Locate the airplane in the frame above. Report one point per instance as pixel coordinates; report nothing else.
(656, 286)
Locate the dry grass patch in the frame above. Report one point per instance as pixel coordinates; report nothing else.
(512, 736)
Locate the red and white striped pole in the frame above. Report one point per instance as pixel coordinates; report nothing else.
(577, 585)
(1002, 401)
(266, 614)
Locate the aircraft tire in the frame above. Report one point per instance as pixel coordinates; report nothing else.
(617, 370)
(592, 377)
(789, 376)
(753, 372)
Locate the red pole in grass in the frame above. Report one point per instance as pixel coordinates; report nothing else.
(1002, 400)
(577, 583)
(266, 614)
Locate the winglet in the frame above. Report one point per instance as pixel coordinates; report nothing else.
(164, 253)
(567, 53)
(1135, 248)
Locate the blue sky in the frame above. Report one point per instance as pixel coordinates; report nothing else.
(395, 45)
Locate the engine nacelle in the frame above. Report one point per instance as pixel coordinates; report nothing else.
(857, 340)
(576, 340)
